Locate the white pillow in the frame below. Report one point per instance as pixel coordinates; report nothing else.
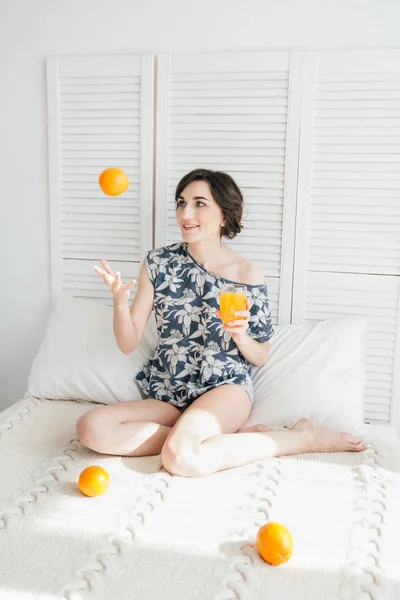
(315, 371)
(79, 358)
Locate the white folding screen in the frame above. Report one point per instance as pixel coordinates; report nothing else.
(100, 114)
(312, 139)
(347, 259)
(238, 113)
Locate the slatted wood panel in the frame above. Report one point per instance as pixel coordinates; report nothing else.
(333, 295)
(355, 189)
(347, 258)
(85, 283)
(250, 144)
(230, 113)
(98, 114)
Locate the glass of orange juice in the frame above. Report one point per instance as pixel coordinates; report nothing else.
(233, 297)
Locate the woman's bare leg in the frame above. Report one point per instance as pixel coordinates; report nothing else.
(258, 427)
(137, 428)
(204, 440)
(305, 436)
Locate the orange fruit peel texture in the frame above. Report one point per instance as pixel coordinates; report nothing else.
(113, 181)
(274, 543)
(93, 481)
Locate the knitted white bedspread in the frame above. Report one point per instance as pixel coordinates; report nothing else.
(156, 536)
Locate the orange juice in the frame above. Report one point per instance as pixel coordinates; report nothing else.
(232, 298)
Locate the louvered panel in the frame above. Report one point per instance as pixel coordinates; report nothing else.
(232, 112)
(80, 279)
(76, 189)
(264, 104)
(88, 226)
(240, 100)
(329, 296)
(248, 126)
(129, 127)
(77, 99)
(347, 258)
(73, 145)
(354, 221)
(100, 116)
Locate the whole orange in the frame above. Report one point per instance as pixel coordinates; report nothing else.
(274, 543)
(93, 481)
(113, 181)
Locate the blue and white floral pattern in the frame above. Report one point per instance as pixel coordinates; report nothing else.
(194, 354)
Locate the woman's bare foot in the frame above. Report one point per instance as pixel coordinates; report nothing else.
(322, 439)
(258, 427)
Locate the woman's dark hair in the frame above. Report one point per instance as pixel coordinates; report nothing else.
(226, 194)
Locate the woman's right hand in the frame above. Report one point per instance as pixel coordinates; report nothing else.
(119, 290)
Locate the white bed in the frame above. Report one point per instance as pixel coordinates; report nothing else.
(156, 536)
(153, 535)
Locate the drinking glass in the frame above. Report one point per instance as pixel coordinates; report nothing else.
(233, 297)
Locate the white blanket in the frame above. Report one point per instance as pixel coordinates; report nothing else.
(157, 536)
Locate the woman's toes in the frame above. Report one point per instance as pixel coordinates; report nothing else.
(354, 444)
(359, 445)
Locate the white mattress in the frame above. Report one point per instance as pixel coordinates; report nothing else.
(153, 535)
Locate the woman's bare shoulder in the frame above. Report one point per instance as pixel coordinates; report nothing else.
(240, 268)
(249, 272)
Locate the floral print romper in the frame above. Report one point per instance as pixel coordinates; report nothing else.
(194, 355)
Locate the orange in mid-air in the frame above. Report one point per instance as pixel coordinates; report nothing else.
(113, 181)
(274, 543)
(93, 481)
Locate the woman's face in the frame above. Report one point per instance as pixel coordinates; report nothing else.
(198, 215)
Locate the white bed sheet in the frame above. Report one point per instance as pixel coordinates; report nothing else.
(153, 535)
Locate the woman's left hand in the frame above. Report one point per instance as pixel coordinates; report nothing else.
(238, 328)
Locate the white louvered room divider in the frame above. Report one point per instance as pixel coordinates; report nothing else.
(237, 113)
(312, 139)
(100, 113)
(347, 259)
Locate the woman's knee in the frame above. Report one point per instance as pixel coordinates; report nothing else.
(182, 456)
(90, 428)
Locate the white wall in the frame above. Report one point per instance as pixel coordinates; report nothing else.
(32, 30)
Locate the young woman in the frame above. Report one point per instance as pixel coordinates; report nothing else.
(197, 386)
